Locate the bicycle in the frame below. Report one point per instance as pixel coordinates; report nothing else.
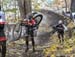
(19, 29)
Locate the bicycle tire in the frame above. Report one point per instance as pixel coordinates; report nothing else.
(41, 17)
(18, 32)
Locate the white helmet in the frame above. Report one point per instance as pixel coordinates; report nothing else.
(60, 21)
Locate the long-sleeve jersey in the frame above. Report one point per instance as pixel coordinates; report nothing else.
(32, 22)
(60, 28)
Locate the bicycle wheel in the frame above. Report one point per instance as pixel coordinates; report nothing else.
(7, 31)
(17, 32)
(38, 18)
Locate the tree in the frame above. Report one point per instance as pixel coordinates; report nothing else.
(65, 5)
(72, 5)
(24, 7)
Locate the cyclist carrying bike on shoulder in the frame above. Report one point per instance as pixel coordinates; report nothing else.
(30, 23)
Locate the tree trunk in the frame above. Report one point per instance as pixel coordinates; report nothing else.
(65, 5)
(72, 5)
(25, 7)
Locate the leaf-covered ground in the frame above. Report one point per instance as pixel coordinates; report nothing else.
(51, 49)
(17, 49)
(64, 49)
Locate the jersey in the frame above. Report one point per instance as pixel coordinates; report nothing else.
(2, 22)
(60, 28)
(32, 22)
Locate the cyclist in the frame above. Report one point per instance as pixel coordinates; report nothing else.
(60, 30)
(30, 23)
(2, 34)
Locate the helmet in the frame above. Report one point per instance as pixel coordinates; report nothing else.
(60, 22)
(34, 12)
(30, 17)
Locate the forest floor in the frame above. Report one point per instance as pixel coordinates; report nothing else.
(51, 49)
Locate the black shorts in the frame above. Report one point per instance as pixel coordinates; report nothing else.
(60, 31)
(2, 34)
(30, 32)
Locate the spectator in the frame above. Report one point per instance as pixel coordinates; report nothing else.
(2, 34)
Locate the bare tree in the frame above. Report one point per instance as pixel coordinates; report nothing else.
(25, 7)
(65, 5)
(72, 5)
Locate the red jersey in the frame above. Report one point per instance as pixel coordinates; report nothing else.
(32, 22)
